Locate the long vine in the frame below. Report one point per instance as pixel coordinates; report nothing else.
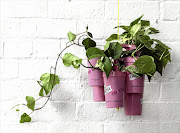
(49, 80)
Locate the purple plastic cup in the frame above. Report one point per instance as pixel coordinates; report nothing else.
(95, 78)
(114, 88)
(134, 91)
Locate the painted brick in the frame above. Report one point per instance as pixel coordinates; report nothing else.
(132, 127)
(170, 91)
(168, 8)
(170, 128)
(29, 8)
(74, 9)
(132, 10)
(18, 48)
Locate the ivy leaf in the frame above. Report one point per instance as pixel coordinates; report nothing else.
(145, 64)
(107, 66)
(145, 23)
(70, 59)
(25, 118)
(106, 46)
(47, 81)
(41, 92)
(153, 30)
(146, 41)
(71, 36)
(132, 70)
(162, 44)
(136, 21)
(88, 42)
(126, 28)
(94, 52)
(100, 64)
(112, 37)
(135, 29)
(30, 102)
(90, 34)
(116, 49)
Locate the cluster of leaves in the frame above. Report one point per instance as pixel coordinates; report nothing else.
(137, 33)
(47, 83)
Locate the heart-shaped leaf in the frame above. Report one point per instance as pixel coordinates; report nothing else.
(107, 66)
(94, 53)
(136, 21)
(88, 42)
(71, 36)
(25, 118)
(49, 81)
(135, 29)
(112, 37)
(30, 102)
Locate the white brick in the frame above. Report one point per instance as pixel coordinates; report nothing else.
(78, 127)
(170, 127)
(8, 69)
(99, 112)
(55, 28)
(28, 8)
(170, 91)
(46, 48)
(74, 9)
(16, 48)
(170, 10)
(132, 127)
(132, 10)
(96, 27)
(10, 27)
(151, 92)
(168, 30)
(175, 52)
(1, 48)
(66, 91)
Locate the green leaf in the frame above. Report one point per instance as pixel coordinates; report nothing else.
(162, 44)
(107, 66)
(17, 110)
(71, 36)
(30, 102)
(126, 28)
(106, 46)
(94, 53)
(87, 27)
(146, 41)
(90, 34)
(47, 81)
(70, 59)
(88, 42)
(25, 118)
(136, 21)
(100, 64)
(135, 29)
(145, 64)
(116, 49)
(41, 92)
(153, 30)
(145, 23)
(132, 70)
(112, 37)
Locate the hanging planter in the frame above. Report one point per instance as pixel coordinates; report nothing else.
(114, 89)
(95, 78)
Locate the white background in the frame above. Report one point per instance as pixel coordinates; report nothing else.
(32, 34)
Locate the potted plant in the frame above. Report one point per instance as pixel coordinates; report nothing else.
(140, 59)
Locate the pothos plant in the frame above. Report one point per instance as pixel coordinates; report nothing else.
(151, 59)
(153, 56)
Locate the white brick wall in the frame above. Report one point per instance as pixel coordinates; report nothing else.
(32, 34)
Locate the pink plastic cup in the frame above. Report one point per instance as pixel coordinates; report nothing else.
(95, 78)
(134, 91)
(114, 88)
